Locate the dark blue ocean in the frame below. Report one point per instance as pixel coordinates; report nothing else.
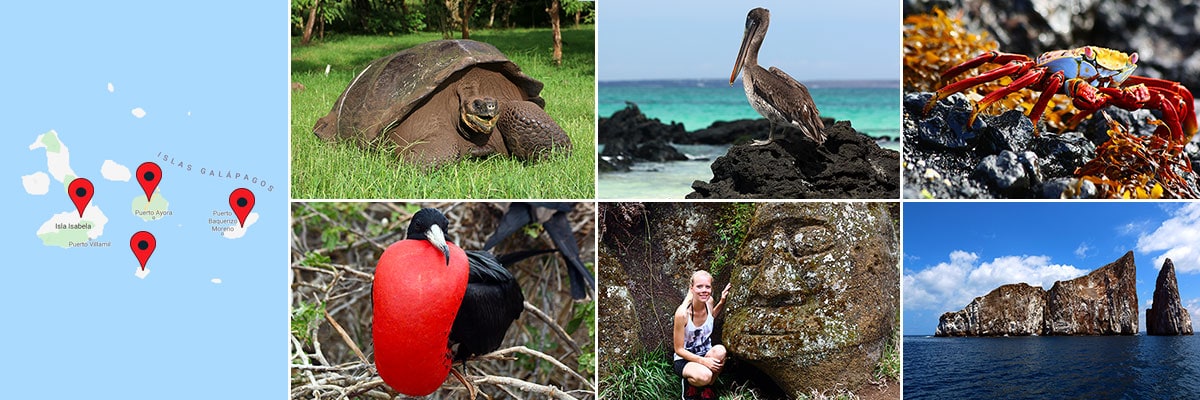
(1103, 367)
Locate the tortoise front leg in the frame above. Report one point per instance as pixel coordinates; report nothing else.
(530, 133)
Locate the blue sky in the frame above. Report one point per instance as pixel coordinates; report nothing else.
(956, 251)
(811, 40)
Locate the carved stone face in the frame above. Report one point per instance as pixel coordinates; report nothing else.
(819, 292)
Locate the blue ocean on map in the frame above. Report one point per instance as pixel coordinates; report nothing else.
(119, 85)
(873, 107)
(1092, 367)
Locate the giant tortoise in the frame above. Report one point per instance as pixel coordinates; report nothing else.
(444, 100)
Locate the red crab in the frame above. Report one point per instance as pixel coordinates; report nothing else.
(1093, 77)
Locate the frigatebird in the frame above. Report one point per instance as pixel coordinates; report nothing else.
(772, 92)
(559, 229)
(418, 289)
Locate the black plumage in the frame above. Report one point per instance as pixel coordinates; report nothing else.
(559, 229)
(492, 302)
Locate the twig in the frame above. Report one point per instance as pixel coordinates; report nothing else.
(346, 338)
(558, 330)
(544, 356)
(534, 388)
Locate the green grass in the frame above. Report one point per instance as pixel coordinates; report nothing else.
(648, 375)
(343, 171)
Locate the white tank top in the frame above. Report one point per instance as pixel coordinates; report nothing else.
(698, 339)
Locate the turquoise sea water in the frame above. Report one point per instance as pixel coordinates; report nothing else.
(872, 107)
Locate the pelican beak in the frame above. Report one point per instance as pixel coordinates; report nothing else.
(435, 236)
(741, 57)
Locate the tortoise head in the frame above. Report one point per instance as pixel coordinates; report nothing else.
(477, 112)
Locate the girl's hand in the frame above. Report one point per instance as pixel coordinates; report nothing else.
(725, 293)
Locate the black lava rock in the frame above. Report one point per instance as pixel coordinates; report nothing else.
(629, 135)
(1003, 157)
(849, 165)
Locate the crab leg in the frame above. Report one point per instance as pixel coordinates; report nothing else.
(1012, 68)
(1185, 101)
(1029, 78)
(993, 57)
(1052, 85)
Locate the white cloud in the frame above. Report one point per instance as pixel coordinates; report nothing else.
(139, 112)
(114, 172)
(37, 183)
(1082, 250)
(1178, 237)
(951, 285)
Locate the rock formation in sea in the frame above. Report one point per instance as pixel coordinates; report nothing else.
(1167, 315)
(1014, 309)
(1103, 302)
(849, 165)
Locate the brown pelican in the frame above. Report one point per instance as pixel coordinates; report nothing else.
(773, 93)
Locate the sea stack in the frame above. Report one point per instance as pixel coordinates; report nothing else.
(1167, 316)
(1103, 302)
(1014, 309)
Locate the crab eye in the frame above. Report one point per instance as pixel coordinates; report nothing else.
(1133, 58)
(1088, 53)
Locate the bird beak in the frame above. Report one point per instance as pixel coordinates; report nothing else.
(435, 236)
(741, 57)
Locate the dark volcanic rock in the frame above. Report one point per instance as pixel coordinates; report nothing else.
(741, 131)
(1167, 315)
(816, 289)
(944, 158)
(1014, 310)
(849, 165)
(1103, 302)
(629, 135)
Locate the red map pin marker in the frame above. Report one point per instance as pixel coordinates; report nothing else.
(241, 201)
(142, 244)
(148, 175)
(80, 190)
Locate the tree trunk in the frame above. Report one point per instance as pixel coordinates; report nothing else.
(555, 24)
(308, 25)
(577, 15)
(508, 7)
(468, 9)
(492, 15)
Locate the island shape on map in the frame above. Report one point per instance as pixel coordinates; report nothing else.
(67, 229)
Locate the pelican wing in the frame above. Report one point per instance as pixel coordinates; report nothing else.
(791, 99)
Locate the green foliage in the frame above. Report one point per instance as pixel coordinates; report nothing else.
(313, 259)
(305, 319)
(587, 10)
(891, 363)
(342, 170)
(731, 226)
(328, 11)
(584, 314)
(647, 375)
